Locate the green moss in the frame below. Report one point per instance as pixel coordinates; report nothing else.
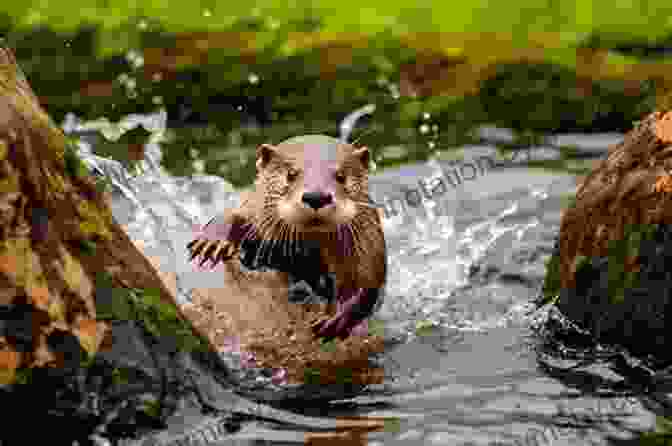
(161, 319)
(74, 166)
(552, 283)
(9, 184)
(311, 376)
(56, 182)
(328, 345)
(661, 436)
(580, 261)
(119, 376)
(619, 279)
(152, 408)
(116, 305)
(93, 224)
(344, 375)
(424, 327)
(103, 184)
(88, 247)
(570, 201)
(24, 376)
(88, 361)
(4, 150)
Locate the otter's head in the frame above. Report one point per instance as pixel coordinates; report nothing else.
(313, 183)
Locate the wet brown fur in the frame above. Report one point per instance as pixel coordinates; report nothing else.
(254, 304)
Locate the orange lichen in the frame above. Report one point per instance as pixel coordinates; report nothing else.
(9, 362)
(89, 332)
(663, 184)
(664, 128)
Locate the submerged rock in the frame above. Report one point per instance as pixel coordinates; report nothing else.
(611, 272)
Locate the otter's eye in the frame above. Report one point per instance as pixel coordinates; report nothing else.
(340, 178)
(292, 174)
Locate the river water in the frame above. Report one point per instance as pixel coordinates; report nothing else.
(464, 364)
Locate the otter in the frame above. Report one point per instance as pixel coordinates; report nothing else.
(309, 214)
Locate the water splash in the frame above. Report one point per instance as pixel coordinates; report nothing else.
(429, 259)
(155, 208)
(350, 121)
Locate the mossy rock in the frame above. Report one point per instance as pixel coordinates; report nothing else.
(603, 275)
(160, 319)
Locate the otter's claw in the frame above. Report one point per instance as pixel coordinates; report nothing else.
(339, 326)
(351, 315)
(195, 247)
(214, 250)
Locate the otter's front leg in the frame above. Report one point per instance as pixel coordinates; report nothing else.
(219, 240)
(354, 307)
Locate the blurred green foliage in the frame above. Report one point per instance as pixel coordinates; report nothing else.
(88, 60)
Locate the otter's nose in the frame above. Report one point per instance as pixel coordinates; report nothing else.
(316, 200)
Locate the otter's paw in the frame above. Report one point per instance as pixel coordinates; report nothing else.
(339, 326)
(213, 250)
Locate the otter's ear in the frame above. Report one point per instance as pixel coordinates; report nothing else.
(363, 155)
(265, 153)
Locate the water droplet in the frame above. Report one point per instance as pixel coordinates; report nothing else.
(253, 78)
(426, 115)
(199, 166)
(142, 24)
(424, 129)
(207, 13)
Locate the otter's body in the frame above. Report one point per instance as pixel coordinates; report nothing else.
(309, 214)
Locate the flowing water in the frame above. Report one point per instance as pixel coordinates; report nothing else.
(464, 363)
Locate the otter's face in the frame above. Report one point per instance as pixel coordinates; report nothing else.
(314, 186)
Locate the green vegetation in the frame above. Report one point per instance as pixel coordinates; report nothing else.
(74, 166)
(88, 247)
(344, 375)
(311, 376)
(159, 318)
(152, 408)
(619, 279)
(302, 69)
(24, 376)
(662, 436)
(552, 283)
(620, 250)
(119, 376)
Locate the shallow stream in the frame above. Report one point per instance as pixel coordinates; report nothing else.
(464, 363)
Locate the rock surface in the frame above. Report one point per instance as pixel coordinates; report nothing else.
(612, 270)
(92, 344)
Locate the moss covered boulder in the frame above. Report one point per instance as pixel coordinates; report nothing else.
(612, 269)
(91, 340)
